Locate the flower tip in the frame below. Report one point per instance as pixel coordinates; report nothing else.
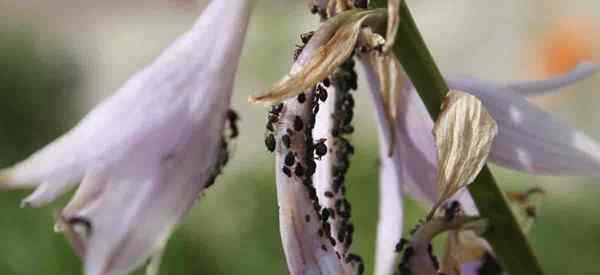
(5, 177)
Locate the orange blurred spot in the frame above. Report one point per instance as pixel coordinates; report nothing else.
(562, 47)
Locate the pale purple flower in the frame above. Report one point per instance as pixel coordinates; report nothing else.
(528, 140)
(146, 153)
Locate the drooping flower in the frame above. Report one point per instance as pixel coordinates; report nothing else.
(145, 154)
(528, 140)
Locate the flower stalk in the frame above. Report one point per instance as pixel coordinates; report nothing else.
(504, 234)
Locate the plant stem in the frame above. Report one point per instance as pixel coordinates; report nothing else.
(504, 234)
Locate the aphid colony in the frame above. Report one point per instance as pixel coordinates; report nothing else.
(489, 264)
(230, 132)
(291, 135)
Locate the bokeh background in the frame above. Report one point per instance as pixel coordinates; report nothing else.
(59, 58)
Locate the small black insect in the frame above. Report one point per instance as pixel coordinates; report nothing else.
(322, 95)
(315, 109)
(401, 244)
(276, 109)
(452, 209)
(314, 9)
(326, 82)
(286, 170)
(232, 118)
(290, 159)
(307, 218)
(301, 98)
(270, 142)
(320, 148)
(285, 139)
(298, 124)
(299, 171)
(305, 37)
(329, 194)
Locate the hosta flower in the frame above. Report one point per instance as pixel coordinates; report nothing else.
(528, 140)
(145, 154)
(304, 132)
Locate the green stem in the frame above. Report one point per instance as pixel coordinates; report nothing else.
(504, 234)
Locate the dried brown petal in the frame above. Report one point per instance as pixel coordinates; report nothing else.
(337, 39)
(464, 133)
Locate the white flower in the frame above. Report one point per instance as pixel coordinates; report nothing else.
(146, 153)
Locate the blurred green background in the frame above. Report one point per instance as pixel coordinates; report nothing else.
(57, 60)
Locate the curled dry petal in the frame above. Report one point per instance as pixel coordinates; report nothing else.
(463, 134)
(392, 24)
(410, 168)
(418, 257)
(331, 45)
(146, 152)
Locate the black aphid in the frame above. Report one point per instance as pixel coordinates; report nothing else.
(270, 142)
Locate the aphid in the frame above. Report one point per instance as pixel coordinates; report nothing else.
(276, 109)
(401, 244)
(287, 171)
(323, 247)
(332, 241)
(329, 194)
(232, 118)
(270, 126)
(320, 148)
(285, 139)
(325, 214)
(311, 165)
(316, 109)
(307, 218)
(298, 124)
(305, 37)
(299, 171)
(452, 209)
(301, 98)
(290, 159)
(326, 82)
(322, 95)
(314, 9)
(270, 142)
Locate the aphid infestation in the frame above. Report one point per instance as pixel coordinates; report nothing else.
(361, 73)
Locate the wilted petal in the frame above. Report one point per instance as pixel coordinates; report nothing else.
(463, 132)
(307, 249)
(392, 24)
(411, 167)
(530, 139)
(146, 152)
(541, 87)
(329, 47)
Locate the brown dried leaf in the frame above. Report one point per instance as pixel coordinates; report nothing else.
(464, 133)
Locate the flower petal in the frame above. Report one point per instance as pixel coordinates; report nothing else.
(412, 167)
(306, 247)
(541, 87)
(529, 139)
(147, 151)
